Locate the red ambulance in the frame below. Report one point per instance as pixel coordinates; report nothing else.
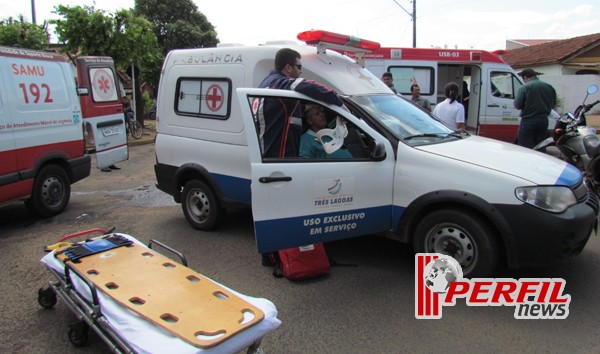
(45, 107)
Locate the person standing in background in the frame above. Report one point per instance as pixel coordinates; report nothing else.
(388, 79)
(415, 91)
(535, 99)
(450, 111)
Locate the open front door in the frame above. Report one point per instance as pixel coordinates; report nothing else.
(102, 109)
(300, 201)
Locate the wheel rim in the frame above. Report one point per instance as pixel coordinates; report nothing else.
(199, 205)
(52, 191)
(454, 242)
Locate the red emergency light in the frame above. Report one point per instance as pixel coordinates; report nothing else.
(316, 36)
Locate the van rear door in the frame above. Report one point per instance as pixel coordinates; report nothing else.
(102, 109)
(301, 201)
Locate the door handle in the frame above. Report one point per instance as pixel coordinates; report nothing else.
(493, 105)
(274, 179)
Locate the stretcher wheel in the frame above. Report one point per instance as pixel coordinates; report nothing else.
(78, 334)
(46, 298)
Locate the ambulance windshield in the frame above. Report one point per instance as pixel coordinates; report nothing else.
(403, 119)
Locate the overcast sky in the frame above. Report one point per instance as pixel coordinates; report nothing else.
(481, 24)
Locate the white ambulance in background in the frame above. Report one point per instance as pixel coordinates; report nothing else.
(44, 104)
(487, 84)
(480, 200)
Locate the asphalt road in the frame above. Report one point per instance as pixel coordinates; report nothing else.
(369, 308)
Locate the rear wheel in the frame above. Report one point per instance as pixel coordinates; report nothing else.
(201, 207)
(51, 192)
(466, 238)
(46, 298)
(78, 334)
(136, 129)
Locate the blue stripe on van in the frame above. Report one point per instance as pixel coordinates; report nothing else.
(569, 176)
(234, 188)
(290, 232)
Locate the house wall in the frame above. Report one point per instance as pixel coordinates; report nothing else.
(571, 90)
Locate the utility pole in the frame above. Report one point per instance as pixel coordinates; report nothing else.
(33, 12)
(414, 18)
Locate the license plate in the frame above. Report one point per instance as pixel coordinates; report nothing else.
(108, 131)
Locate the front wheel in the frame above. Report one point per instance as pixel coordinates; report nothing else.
(136, 129)
(201, 207)
(51, 192)
(466, 238)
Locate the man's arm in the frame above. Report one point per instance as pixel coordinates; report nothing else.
(317, 91)
(519, 102)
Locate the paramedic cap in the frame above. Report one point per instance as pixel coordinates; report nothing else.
(529, 72)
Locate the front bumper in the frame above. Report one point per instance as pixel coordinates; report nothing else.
(541, 238)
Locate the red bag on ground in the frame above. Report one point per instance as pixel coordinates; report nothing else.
(304, 262)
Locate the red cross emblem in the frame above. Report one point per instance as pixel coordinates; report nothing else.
(214, 97)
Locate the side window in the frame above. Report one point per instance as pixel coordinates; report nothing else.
(405, 76)
(318, 135)
(104, 88)
(203, 97)
(504, 84)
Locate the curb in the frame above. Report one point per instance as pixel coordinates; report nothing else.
(147, 138)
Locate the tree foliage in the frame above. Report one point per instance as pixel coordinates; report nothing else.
(177, 24)
(18, 32)
(128, 39)
(122, 36)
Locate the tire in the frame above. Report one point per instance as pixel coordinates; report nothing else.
(201, 207)
(136, 129)
(78, 335)
(51, 192)
(467, 238)
(46, 298)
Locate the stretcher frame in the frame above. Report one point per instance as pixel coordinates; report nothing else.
(88, 311)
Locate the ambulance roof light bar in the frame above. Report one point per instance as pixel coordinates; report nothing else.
(324, 40)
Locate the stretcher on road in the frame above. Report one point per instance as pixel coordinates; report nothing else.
(139, 301)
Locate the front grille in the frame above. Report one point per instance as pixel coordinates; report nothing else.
(584, 193)
(592, 201)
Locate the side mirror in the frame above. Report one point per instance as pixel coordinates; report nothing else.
(378, 153)
(592, 89)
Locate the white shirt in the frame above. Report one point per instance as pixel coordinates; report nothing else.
(450, 113)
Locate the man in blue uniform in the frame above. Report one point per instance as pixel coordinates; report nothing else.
(279, 121)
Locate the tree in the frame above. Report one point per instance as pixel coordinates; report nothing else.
(129, 40)
(177, 24)
(18, 32)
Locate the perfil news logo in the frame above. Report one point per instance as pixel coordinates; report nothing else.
(439, 282)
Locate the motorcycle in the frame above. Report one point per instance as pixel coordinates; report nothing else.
(577, 143)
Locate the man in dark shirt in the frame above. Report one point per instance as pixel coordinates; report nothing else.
(279, 121)
(535, 99)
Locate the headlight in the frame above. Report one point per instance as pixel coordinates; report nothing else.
(554, 199)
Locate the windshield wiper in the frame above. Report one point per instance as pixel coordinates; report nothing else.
(427, 135)
(455, 134)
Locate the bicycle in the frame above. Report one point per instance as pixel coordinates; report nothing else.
(133, 126)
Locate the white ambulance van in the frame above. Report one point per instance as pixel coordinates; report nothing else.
(44, 104)
(479, 200)
(488, 85)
